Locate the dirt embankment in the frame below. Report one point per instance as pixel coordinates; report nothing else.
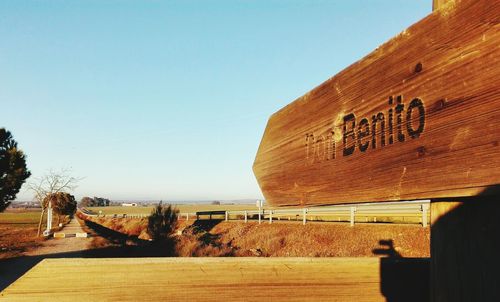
(296, 240)
(323, 239)
(128, 226)
(285, 239)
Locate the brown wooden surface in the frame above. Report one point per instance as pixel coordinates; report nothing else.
(451, 62)
(437, 4)
(465, 242)
(222, 279)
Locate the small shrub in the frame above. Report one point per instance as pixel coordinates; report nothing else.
(161, 222)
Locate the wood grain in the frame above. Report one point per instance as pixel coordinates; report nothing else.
(448, 65)
(221, 279)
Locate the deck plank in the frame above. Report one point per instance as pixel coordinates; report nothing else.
(200, 279)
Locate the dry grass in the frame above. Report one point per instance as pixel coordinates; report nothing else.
(289, 239)
(128, 226)
(195, 241)
(15, 240)
(324, 239)
(18, 228)
(313, 240)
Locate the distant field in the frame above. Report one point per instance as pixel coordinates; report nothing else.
(18, 229)
(391, 217)
(183, 208)
(23, 218)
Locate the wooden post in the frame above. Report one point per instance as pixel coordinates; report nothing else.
(187, 216)
(425, 208)
(304, 218)
(49, 218)
(260, 215)
(353, 210)
(226, 215)
(246, 216)
(465, 243)
(270, 216)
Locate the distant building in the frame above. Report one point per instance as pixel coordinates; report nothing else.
(133, 204)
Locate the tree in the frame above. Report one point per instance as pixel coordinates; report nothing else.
(161, 222)
(13, 171)
(101, 202)
(87, 202)
(68, 206)
(51, 183)
(62, 204)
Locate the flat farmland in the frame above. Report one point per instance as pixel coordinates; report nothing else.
(18, 229)
(183, 208)
(20, 218)
(391, 216)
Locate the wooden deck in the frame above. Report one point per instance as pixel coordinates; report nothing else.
(222, 279)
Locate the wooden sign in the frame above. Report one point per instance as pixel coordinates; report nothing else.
(417, 118)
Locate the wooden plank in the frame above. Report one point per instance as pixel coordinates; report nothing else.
(415, 119)
(464, 250)
(222, 279)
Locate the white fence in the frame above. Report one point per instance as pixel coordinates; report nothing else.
(348, 212)
(341, 213)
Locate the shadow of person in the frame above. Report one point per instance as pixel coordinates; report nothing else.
(402, 279)
(388, 249)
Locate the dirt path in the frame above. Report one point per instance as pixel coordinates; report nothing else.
(63, 245)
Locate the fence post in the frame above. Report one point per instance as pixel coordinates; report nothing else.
(270, 216)
(353, 210)
(49, 218)
(226, 216)
(187, 216)
(246, 219)
(259, 215)
(425, 208)
(304, 213)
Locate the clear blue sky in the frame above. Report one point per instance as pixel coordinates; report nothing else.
(169, 99)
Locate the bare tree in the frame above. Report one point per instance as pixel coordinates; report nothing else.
(52, 182)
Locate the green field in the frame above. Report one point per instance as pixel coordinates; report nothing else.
(22, 218)
(192, 208)
(183, 208)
